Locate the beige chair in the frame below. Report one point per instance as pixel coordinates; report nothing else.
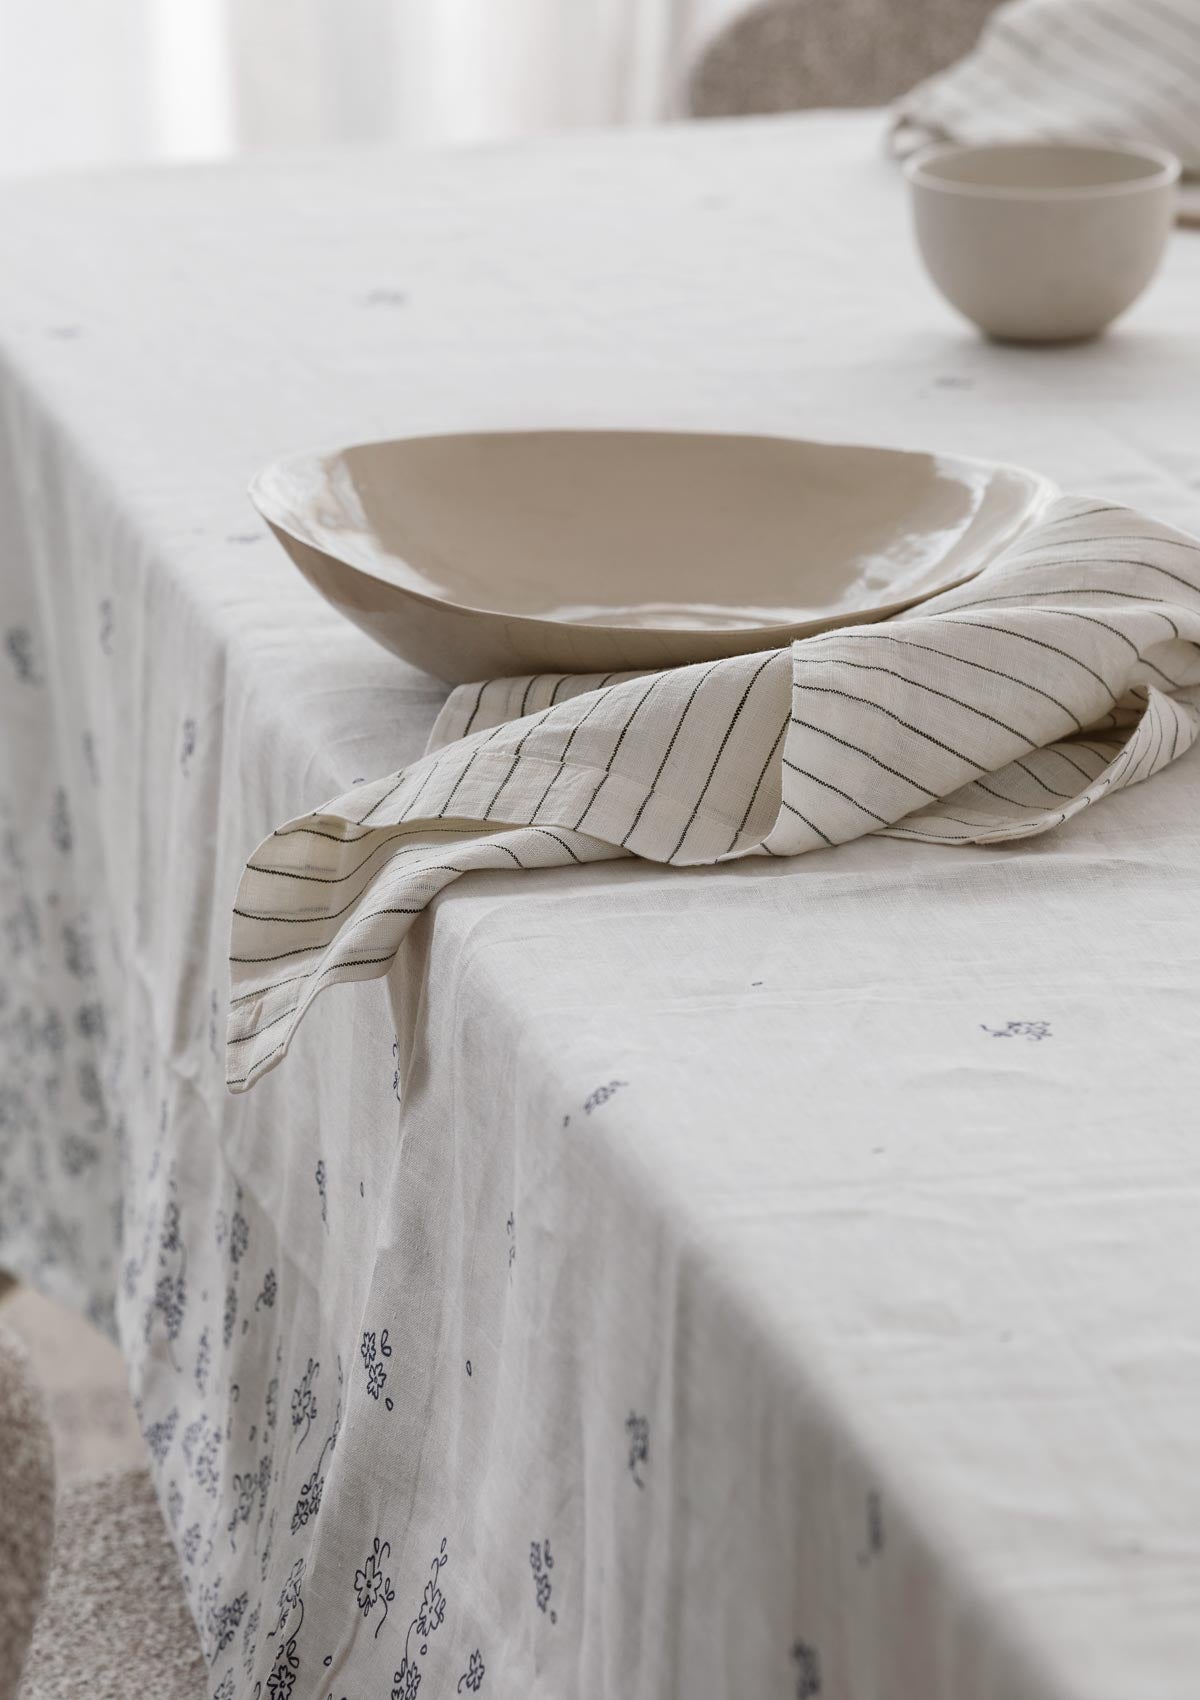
(782, 55)
(26, 1507)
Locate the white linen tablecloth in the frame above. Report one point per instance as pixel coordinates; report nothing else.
(778, 1279)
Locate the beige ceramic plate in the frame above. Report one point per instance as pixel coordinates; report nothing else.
(590, 551)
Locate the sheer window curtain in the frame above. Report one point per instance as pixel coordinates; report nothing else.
(98, 82)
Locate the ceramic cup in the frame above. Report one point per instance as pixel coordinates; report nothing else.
(1042, 241)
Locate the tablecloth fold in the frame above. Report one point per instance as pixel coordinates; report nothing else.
(996, 711)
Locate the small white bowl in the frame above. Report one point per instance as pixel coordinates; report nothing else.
(1042, 241)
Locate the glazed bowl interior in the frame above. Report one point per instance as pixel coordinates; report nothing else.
(1052, 169)
(582, 550)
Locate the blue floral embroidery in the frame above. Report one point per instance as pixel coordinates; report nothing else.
(239, 1235)
(602, 1094)
(203, 1357)
(60, 823)
(230, 1314)
(808, 1668)
(245, 1488)
(222, 1622)
(472, 1677)
(304, 1401)
(158, 1436)
(1037, 1030)
(250, 1639)
(311, 1493)
(18, 641)
(284, 1672)
(271, 1401)
(201, 1448)
(638, 1430)
(430, 1614)
(541, 1564)
(320, 1177)
(371, 1585)
(309, 1502)
(266, 1298)
(372, 1357)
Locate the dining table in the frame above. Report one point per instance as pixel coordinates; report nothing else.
(769, 1280)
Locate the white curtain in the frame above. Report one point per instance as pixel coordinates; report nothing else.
(94, 82)
(436, 71)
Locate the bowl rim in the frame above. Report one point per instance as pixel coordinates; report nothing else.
(1043, 490)
(1170, 169)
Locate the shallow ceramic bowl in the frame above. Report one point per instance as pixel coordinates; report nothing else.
(592, 551)
(1046, 241)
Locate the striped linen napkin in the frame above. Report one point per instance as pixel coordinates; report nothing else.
(993, 712)
(1115, 70)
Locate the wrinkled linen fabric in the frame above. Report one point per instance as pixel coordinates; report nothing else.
(764, 1279)
(994, 712)
(1114, 70)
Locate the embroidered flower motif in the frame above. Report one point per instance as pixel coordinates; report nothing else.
(284, 1672)
(304, 1401)
(309, 1502)
(290, 1595)
(170, 1297)
(18, 641)
(203, 1355)
(472, 1677)
(808, 1666)
(224, 1689)
(638, 1430)
(272, 1401)
(60, 823)
(230, 1316)
(250, 1640)
(266, 1299)
(407, 1681)
(239, 1237)
(168, 1238)
(367, 1582)
(431, 1611)
(373, 1356)
(245, 1488)
(541, 1563)
(320, 1178)
(371, 1585)
(1036, 1030)
(224, 1620)
(158, 1436)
